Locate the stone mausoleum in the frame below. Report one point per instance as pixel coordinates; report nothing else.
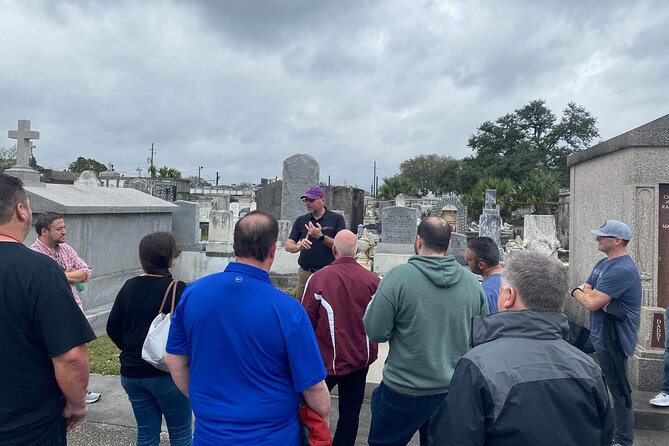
(627, 178)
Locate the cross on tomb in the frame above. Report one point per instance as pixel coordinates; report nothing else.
(23, 135)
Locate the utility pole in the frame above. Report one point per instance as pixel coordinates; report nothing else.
(152, 152)
(139, 172)
(374, 183)
(199, 170)
(217, 178)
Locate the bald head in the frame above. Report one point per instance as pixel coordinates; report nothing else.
(345, 244)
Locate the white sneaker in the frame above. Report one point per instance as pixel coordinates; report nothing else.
(661, 400)
(92, 397)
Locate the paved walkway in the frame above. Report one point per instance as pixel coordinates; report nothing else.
(110, 421)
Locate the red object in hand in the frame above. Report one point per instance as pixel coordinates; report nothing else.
(314, 431)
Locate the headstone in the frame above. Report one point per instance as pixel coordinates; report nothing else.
(360, 230)
(221, 229)
(625, 178)
(490, 199)
(540, 235)
(397, 240)
(87, 178)
(253, 206)
(458, 247)
(234, 207)
(400, 200)
(418, 208)
(186, 225)
(300, 172)
(22, 168)
(490, 222)
(399, 225)
(284, 231)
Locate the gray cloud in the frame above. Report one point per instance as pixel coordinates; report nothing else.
(238, 86)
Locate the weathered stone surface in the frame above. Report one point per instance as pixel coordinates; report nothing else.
(300, 172)
(621, 179)
(461, 211)
(221, 229)
(490, 199)
(269, 198)
(399, 225)
(490, 225)
(186, 225)
(400, 200)
(22, 168)
(540, 234)
(87, 178)
(351, 202)
(458, 247)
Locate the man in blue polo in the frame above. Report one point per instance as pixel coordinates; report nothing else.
(243, 351)
(612, 294)
(313, 236)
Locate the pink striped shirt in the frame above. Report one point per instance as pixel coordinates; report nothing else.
(68, 260)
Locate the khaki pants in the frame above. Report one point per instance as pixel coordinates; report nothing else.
(302, 277)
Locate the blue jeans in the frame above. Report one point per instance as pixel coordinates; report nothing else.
(151, 398)
(396, 417)
(665, 381)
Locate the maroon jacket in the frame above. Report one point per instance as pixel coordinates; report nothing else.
(336, 298)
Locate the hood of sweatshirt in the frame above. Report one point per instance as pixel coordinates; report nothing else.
(442, 271)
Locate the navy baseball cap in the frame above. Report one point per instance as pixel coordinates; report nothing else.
(314, 192)
(613, 228)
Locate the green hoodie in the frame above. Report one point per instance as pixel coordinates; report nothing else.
(424, 309)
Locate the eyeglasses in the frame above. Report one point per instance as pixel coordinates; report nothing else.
(310, 200)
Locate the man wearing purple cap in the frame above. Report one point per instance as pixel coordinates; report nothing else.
(612, 294)
(313, 236)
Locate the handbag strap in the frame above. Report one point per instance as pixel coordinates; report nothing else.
(172, 286)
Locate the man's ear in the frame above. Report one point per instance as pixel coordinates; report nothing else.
(481, 265)
(272, 251)
(506, 298)
(22, 212)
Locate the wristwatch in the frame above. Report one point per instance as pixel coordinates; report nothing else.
(321, 238)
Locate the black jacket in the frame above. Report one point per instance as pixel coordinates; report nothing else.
(523, 384)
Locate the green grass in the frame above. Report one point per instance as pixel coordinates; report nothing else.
(103, 356)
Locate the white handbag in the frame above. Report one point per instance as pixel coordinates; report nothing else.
(153, 350)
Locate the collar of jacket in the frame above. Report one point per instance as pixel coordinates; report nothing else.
(519, 324)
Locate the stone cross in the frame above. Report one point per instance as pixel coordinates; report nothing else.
(23, 135)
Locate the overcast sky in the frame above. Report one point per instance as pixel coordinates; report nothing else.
(238, 86)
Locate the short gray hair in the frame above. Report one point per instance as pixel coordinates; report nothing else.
(541, 282)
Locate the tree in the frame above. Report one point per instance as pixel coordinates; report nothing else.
(532, 138)
(153, 170)
(7, 158)
(82, 164)
(168, 172)
(505, 194)
(394, 186)
(429, 173)
(538, 189)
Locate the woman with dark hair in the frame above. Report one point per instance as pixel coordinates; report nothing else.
(151, 391)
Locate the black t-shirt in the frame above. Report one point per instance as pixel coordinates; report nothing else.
(39, 320)
(136, 305)
(319, 255)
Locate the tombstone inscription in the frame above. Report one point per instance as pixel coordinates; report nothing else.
(399, 225)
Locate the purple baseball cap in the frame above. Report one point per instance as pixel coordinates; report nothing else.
(314, 192)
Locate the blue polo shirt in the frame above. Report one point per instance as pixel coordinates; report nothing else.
(252, 352)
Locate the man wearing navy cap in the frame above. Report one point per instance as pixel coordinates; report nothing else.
(612, 294)
(313, 236)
